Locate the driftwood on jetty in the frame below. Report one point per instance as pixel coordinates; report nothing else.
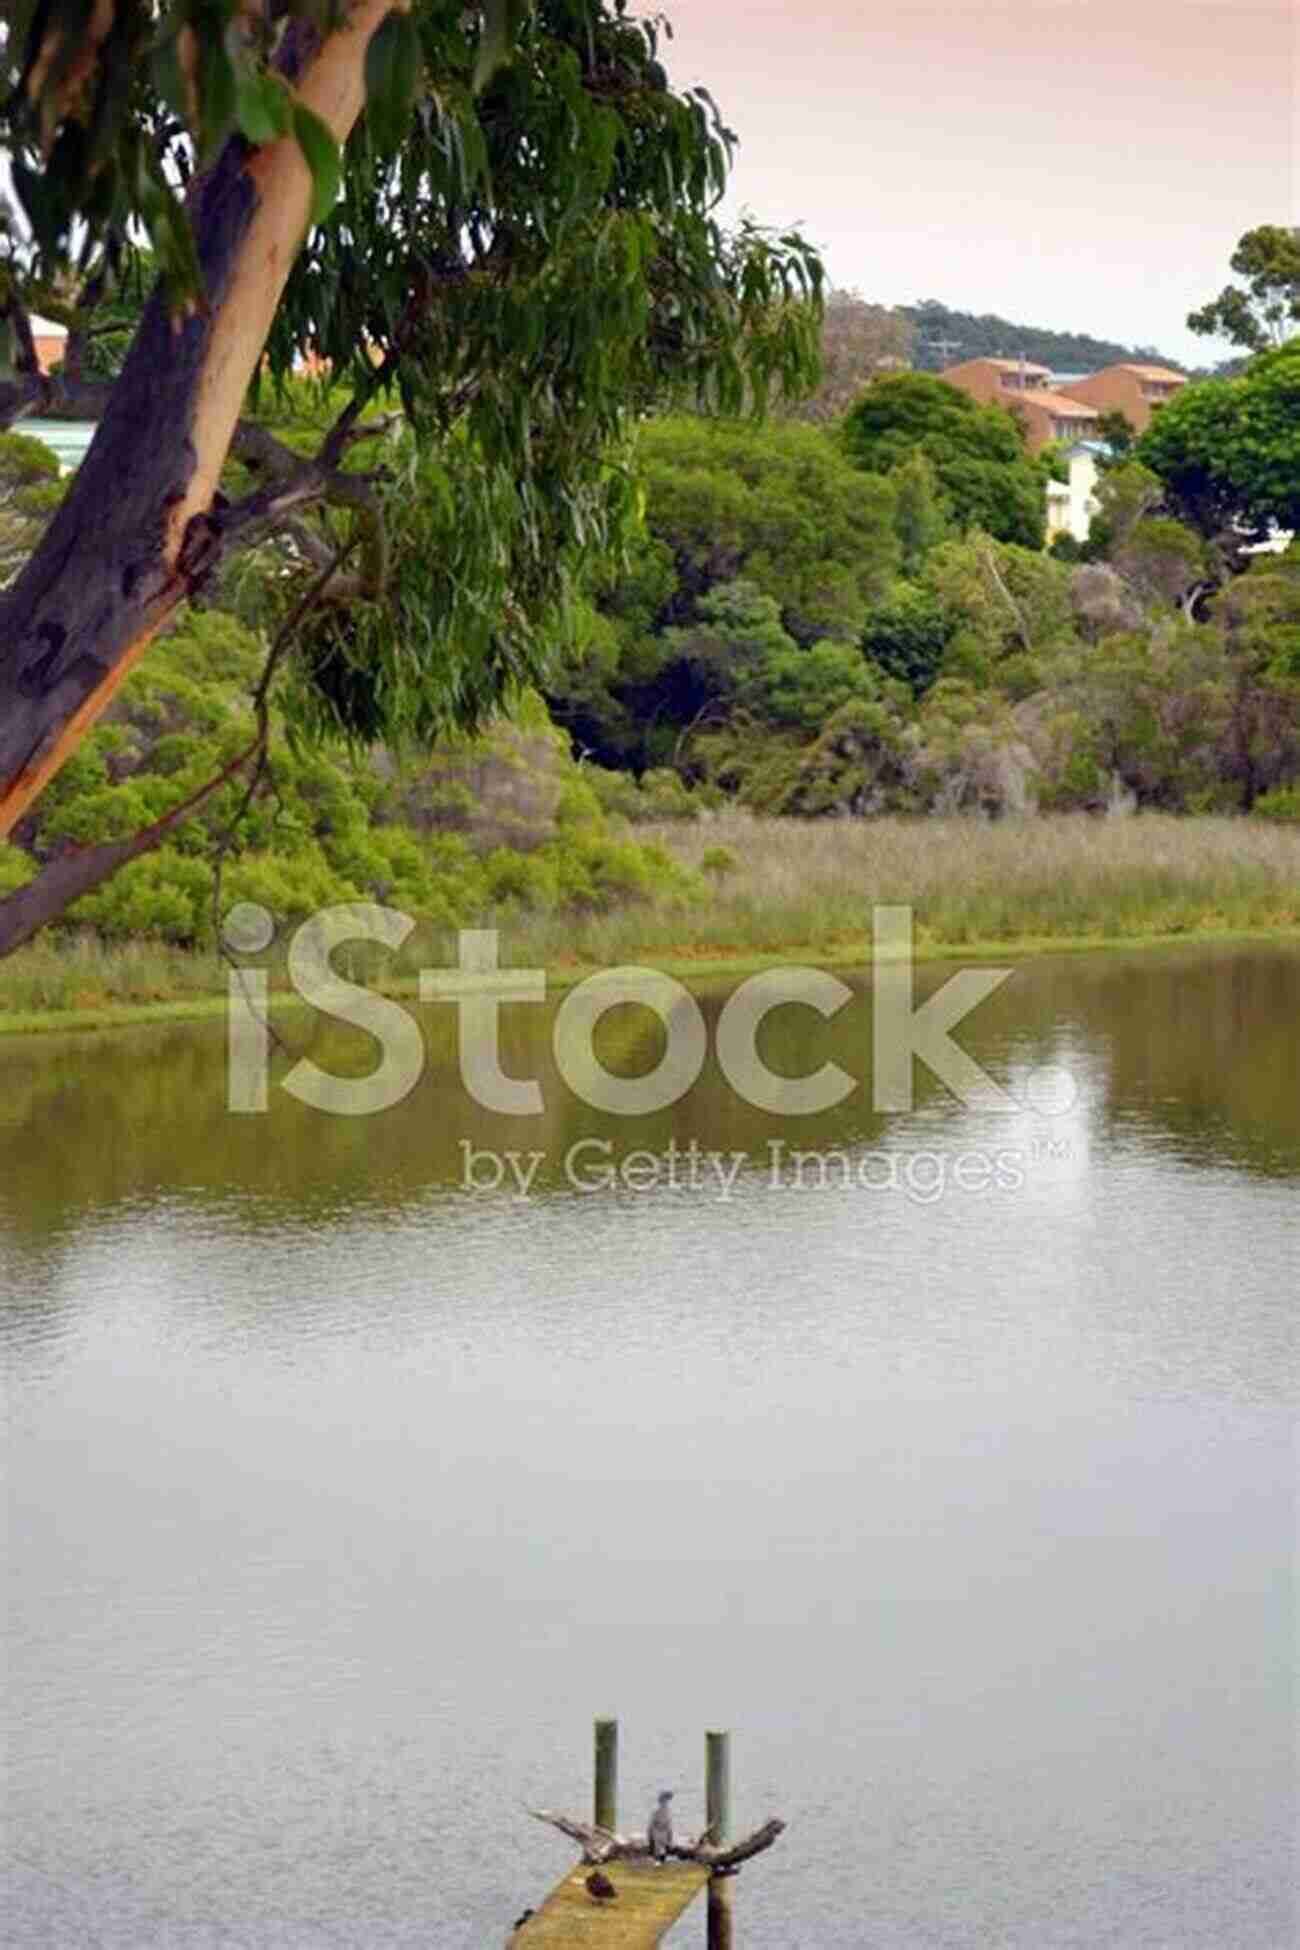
(601, 1845)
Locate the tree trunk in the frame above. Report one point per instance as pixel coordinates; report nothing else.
(135, 535)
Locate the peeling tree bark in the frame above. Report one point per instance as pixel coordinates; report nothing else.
(135, 535)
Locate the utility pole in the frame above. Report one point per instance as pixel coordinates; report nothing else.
(941, 346)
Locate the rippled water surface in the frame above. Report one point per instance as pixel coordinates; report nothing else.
(342, 1496)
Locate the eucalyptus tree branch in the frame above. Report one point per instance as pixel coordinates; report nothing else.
(79, 325)
(259, 750)
(258, 447)
(270, 510)
(18, 395)
(70, 876)
(1022, 629)
(54, 396)
(344, 429)
(81, 870)
(313, 548)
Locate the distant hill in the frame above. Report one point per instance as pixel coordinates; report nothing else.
(944, 337)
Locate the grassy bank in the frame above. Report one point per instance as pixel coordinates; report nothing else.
(781, 889)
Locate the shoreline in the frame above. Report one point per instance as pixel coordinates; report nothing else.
(710, 964)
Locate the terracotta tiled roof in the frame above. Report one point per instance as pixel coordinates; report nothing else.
(999, 365)
(1061, 405)
(1148, 372)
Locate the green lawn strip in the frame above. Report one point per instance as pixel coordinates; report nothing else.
(707, 967)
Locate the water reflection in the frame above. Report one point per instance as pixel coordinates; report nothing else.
(343, 1496)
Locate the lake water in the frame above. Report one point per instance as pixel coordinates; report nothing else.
(342, 1495)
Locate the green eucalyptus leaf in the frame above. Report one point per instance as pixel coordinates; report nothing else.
(216, 92)
(263, 107)
(323, 157)
(393, 61)
(502, 22)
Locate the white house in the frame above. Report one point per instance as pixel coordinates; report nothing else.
(1072, 504)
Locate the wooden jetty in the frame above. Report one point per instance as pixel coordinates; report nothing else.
(648, 1897)
(648, 1903)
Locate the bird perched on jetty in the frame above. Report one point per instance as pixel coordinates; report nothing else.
(518, 1925)
(659, 1828)
(600, 1888)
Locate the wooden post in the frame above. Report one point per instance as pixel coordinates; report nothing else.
(606, 1797)
(717, 1813)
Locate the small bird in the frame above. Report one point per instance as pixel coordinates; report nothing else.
(659, 1828)
(600, 1888)
(518, 1925)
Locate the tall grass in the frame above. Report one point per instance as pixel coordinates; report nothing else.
(61, 973)
(814, 884)
(775, 885)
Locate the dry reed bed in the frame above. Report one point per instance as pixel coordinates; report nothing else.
(812, 886)
(814, 883)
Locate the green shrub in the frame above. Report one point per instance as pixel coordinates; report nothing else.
(617, 793)
(664, 796)
(16, 868)
(163, 896)
(524, 880)
(578, 805)
(1282, 803)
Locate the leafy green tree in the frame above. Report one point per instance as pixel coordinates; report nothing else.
(1126, 494)
(1228, 450)
(969, 755)
(1119, 434)
(1141, 718)
(777, 507)
(806, 688)
(977, 452)
(737, 632)
(921, 516)
(501, 217)
(1162, 561)
(1259, 612)
(1267, 312)
(907, 636)
(1001, 602)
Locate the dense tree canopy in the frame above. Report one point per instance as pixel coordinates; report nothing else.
(945, 334)
(491, 234)
(1266, 312)
(1228, 450)
(977, 452)
(777, 509)
(515, 240)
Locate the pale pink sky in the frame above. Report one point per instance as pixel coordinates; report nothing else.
(1083, 164)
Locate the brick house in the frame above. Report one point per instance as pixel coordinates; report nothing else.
(1136, 391)
(1027, 390)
